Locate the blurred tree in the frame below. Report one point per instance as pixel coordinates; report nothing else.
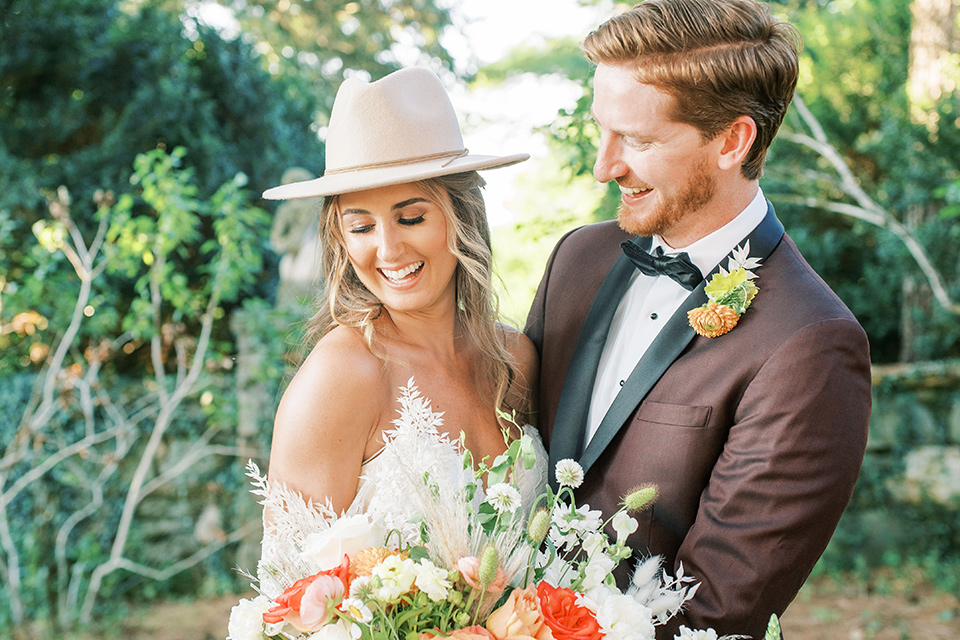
(320, 41)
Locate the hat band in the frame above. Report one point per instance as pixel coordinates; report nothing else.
(453, 155)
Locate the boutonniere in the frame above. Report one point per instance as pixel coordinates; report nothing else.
(730, 292)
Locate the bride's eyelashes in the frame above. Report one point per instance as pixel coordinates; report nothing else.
(407, 222)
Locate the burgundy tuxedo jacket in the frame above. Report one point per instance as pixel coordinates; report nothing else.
(754, 438)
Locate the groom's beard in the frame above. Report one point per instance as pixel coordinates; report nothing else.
(697, 193)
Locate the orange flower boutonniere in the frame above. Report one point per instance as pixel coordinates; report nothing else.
(730, 292)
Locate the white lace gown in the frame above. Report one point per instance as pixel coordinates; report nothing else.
(416, 448)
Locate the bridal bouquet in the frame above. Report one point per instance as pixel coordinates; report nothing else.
(472, 564)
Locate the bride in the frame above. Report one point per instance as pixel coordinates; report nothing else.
(408, 298)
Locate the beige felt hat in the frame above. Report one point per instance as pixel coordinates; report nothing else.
(401, 128)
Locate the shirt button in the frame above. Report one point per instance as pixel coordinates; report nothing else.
(653, 316)
(622, 382)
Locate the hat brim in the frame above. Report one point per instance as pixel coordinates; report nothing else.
(384, 176)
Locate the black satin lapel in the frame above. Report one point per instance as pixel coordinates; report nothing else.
(566, 437)
(670, 342)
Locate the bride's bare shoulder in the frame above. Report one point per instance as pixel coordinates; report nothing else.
(523, 391)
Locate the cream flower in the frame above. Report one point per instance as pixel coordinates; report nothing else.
(246, 619)
(393, 578)
(569, 473)
(432, 580)
(348, 535)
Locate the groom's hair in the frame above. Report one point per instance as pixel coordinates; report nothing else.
(719, 59)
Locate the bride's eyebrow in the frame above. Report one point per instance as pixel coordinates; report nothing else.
(407, 203)
(399, 205)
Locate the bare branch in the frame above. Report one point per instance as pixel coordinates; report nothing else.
(867, 210)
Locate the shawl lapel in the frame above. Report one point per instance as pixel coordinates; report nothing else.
(669, 343)
(566, 437)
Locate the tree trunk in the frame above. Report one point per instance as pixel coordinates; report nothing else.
(933, 38)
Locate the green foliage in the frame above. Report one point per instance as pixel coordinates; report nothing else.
(178, 279)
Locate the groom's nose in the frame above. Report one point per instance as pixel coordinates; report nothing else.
(609, 164)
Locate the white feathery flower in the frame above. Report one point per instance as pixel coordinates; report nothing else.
(741, 260)
(569, 473)
(356, 609)
(695, 634)
(432, 580)
(624, 525)
(246, 619)
(503, 497)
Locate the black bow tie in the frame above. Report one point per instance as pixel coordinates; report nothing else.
(677, 267)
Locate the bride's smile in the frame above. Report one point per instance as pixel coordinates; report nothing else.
(396, 239)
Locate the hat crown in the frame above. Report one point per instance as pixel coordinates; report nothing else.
(404, 116)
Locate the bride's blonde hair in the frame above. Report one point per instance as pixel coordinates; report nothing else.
(346, 301)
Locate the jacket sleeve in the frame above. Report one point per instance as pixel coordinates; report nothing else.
(785, 475)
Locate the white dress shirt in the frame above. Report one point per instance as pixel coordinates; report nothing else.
(651, 301)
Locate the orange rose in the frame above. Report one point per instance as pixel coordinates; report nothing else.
(287, 605)
(519, 618)
(566, 619)
(467, 633)
(713, 319)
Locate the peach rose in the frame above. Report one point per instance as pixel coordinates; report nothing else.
(519, 618)
(469, 567)
(467, 633)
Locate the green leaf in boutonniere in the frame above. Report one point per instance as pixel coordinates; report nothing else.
(729, 293)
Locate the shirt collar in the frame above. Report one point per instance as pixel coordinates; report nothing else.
(707, 252)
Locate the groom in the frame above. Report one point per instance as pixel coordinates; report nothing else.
(751, 415)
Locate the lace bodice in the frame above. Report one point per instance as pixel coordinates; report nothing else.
(417, 447)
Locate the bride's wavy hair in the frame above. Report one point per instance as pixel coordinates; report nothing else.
(346, 301)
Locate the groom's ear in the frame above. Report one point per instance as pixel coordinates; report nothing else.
(736, 140)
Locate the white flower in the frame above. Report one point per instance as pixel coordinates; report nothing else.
(348, 535)
(432, 580)
(582, 520)
(598, 568)
(594, 544)
(562, 540)
(503, 497)
(339, 630)
(624, 525)
(361, 588)
(246, 619)
(393, 577)
(695, 634)
(356, 609)
(620, 617)
(569, 473)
